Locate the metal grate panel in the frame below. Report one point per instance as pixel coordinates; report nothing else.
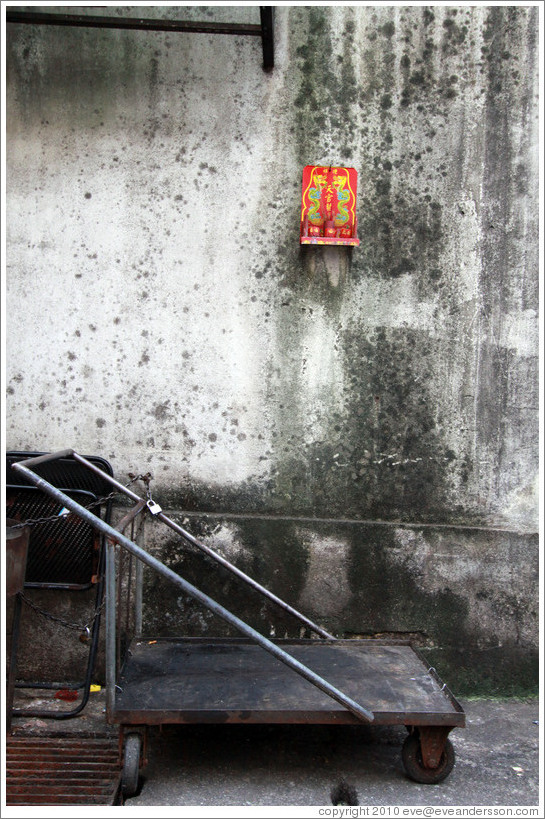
(62, 770)
(62, 552)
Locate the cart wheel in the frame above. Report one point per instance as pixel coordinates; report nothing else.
(131, 764)
(414, 767)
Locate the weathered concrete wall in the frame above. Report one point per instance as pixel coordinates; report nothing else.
(368, 417)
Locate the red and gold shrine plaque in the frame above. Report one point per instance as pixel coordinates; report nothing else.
(328, 206)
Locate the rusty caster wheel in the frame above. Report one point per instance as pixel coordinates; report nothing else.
(131, 764)
(411, 755)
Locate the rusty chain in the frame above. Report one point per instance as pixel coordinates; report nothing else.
(65, 513)
(83, 629)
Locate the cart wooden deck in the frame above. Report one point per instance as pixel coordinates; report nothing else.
(233, 680)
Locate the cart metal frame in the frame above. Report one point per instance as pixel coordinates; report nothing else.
(75, 565)
(193, 680)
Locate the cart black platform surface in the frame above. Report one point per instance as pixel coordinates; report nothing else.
(321, 680)
(203, 681)
(230, 680)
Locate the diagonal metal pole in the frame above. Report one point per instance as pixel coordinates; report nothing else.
(117, 537)
(211, 553)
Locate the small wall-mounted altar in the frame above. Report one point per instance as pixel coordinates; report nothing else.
(328, 206)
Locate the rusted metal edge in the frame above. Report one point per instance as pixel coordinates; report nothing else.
(304, 717)
(131, 515)
(445, 690)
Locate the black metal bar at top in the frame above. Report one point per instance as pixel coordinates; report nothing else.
(41, 18)
(267, 36)
(264, 30)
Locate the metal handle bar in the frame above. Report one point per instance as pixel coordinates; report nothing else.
(50, 456)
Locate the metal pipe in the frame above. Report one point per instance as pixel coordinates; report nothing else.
(267, 38)
(53, 456)
(138, 598)
(264, 30)
(12, 670)
(138, 582)
(110, 646)
(211, 553)
(358, 710)
(130, 516)
(134, 23)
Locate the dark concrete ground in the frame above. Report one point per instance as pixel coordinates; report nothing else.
(497, 762)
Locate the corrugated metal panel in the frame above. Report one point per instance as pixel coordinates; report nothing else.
(62, 770)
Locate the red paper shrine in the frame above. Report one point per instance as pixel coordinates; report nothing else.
(328, 206)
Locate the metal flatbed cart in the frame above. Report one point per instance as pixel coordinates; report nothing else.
(253, 679)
